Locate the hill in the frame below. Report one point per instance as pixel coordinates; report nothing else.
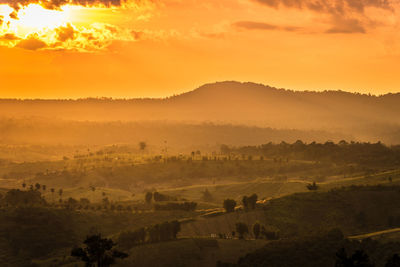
(366, 117)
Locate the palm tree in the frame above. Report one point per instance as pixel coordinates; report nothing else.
(23, 185)
(52, 193)
(60, 192)
(93, 188)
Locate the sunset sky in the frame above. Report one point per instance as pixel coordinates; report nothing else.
(152, 48)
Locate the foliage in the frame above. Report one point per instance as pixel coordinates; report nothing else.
(16, 197)
(229, 205)
(312, 187)
(366, 154)
(148, 197)
(162, 197)
(241, 229)
(186, 206)
(257, 230)
(358, 259)
(249, 203)
(325, 249)
(98, 251)
(156, 233)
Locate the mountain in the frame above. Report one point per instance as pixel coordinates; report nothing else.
(366, 117)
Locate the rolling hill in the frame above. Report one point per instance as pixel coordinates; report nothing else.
(362, 117)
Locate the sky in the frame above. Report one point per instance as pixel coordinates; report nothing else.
(156, 48)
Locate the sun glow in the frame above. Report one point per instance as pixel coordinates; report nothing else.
(36, 17)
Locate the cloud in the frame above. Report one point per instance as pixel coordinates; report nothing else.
(330, 6)
(344, 16)
(9, 37)
(97, 37)
(32, 43)
(57, 4)
(346, 26)
(254, 25)
(65, 33)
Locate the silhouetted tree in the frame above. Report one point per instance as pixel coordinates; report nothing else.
(256, 229)
(98, 252)
(148, 197)
(37, 186)
(52, 193)
(312, 187)
(393, 261)
(358, 259)
(250, 202)
(241, 229)
(229, 205)
(60, 192)
(142, 145)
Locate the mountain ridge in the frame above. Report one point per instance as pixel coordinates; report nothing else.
(367, 117)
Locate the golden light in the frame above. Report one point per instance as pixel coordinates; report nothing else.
(34, 18)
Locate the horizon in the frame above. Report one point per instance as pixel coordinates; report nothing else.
(205, 85)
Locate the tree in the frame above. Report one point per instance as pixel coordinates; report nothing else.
(60, 192)
(312, 187)
(148, 197)
(52, 193)
(358, 259)
(93, 188)
(37, 186)
(393, 261)
(256, 229)
(229, 205)
(250, 202)
(98, 251)
(23, 185)
(241, 229)
(72, 203)
(142, 145)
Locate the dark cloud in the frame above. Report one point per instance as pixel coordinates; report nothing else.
(31, 43)
(57, 4)
(9, 37)
(345, 16)
(65, 33)
(346, 26)
(137, 35)
(254, 25)
(329, 6)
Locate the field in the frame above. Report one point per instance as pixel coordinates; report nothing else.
(118, 190)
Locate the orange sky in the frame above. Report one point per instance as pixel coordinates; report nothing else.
(159, 48)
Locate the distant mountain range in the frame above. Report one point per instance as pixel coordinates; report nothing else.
(366, 117)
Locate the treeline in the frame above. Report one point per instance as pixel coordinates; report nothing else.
(165, 231)
(158, 197)
(185, 206)
(249, 203)
(375, 154)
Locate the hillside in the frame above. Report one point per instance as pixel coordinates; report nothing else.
(365, 117)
